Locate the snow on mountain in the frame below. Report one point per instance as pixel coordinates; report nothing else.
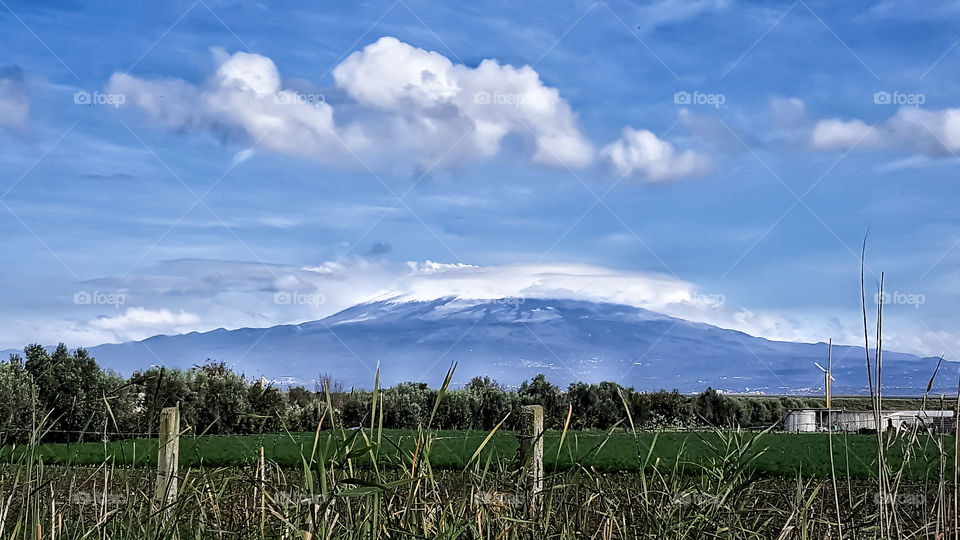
(512, 340)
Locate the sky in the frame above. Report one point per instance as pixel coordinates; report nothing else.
(183, 166)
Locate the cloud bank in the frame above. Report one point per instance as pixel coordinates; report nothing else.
(396, 102)
(911, 129)
(412, 102)
(201, 295)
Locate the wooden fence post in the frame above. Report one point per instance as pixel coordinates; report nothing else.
(531, 449)
(168, 457)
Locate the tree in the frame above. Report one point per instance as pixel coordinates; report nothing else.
(123, 412)
(539, 391)
(267, 406)
(157, 388)
(407, 405)
(17, 393)
(583, 398)
(717, 409)
(221, 402)
(71, 387)
(670, 408)
(356, 409)
(489, 403)
(454, 411)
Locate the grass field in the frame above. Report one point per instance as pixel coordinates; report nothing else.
(782, 454)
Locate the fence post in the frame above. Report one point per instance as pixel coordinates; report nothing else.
(531, 449)
(168, 457)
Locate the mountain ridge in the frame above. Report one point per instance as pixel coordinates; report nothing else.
(512, 340)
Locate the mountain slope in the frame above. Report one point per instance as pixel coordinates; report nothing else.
(512, 341)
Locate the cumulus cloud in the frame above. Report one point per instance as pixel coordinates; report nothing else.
(244, 98)
(911, 129)
(638, 152)
(436, 101)
(14, 100)
(406, 101)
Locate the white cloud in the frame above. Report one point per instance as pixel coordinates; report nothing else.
(202, 295)
(138, 319)
(14, 100)
(135, 323)
(638, 152)
(431, 280)
(836, 134)
(911, 129)
(244, 96)
(411, 102)
(665, 12)
(435, 101)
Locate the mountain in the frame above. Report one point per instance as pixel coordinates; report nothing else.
(513, 340)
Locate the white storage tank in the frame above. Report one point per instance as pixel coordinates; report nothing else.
(801, 421)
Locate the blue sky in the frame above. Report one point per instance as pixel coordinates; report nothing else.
(331, 150)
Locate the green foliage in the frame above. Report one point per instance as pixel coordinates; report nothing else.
(155, 389)
(213, 399)
(218, 402)
(70, 386)
(17, 399)
(267, 408)
(370, 482)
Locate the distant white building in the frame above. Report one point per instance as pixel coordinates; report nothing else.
(809, 420)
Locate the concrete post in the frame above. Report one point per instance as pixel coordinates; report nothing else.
(531, 448)
(168, 457)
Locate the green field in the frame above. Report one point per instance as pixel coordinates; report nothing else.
(781, 454)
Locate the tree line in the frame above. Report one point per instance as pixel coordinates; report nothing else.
(65, 395)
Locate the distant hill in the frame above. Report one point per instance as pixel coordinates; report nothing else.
(512, 340)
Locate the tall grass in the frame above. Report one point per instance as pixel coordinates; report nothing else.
(349, 486)
(364, 484)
